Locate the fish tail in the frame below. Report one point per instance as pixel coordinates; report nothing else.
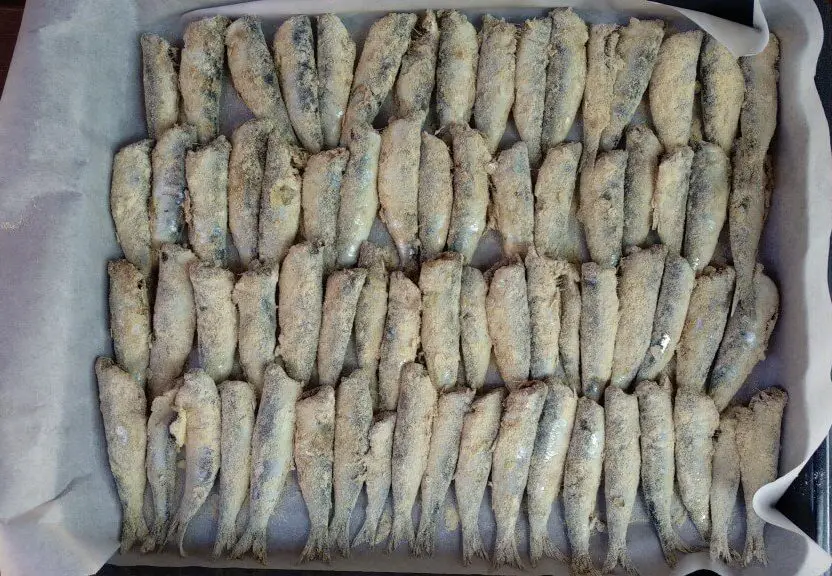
(383, 526)
(259, 547)
(133, 529)
(505, 551)
(671, 543)
(226, 536)
(426, 535)
(721, 550)
(403, 531)
(618, 555)
(254, 539)
(176, 531)
(552, 551)
(317, 545)
(472, 545)
(367, 534)
(755, 548)
(339, 534)
(582, 566)
(156, 538)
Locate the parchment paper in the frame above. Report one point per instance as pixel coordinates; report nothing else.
(73, 97)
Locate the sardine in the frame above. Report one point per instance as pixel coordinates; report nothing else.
(512, 201)
(414, 84)
(556, 229)
(129, 318)
(343, 289)
(161, 84)
(569, 341)
(314, 441)
(723, 90)
(530, 83)
(603, 64)
(471, 166)
(370, 314)
(601, 208)
(123, 409)
(456, 68)
(161, 467)
(643, 150)
(321, 199)
(758, 118)
(543, 279)
(599, 325)
(378, 462)
(474, 341)
(201, 75)
(440, 281)
(206, 206)
(724, 485)
(129, 201)
(336, 59)
(216, 319)
(670, 198)
(509, 324)
(254, 295)
(495, 79)
(401, 337)
(510, 467)
(436, 196)
(707, 208)
(167, 217)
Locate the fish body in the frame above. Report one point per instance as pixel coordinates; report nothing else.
(509, 322)
(495, 79)
(379, 477)
(440, 281)
(474, 341)
(643, 150)
(707, 207)
(321, 199)
(370, 313)
(336, 60)
(556, 228)
(206, 208)
(254, 296)
(601, 208)
(512, 201)
(723, 91)
(401, 337)
(470, 204)
(456, 68)
(129, 318)
(201, 75)
(343, 288)
(724, 485)
(436, 196)
(414, 84)
(530, 83)
(129, 201)
(216, 319)
(161, 467)
(598, 326)
(167, 196)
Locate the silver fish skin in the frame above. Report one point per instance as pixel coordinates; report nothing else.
(643, 150)
(758, 118)
(670, 198)
(436, 196)
(237, 402)
(556, 228)
(569, 341)
(671, 310)
(510, 467)
(603, 65)
(321, 199)
(509, 322)
(415, 410)
(129, 318)
(695, 422)
(495, 79)
(440, 281)
(343, 289)
(722, 94)
(638, 291)
(414, 84)
(544, 278)
(724, 485)
(271, 457)
(655, 407)
(598, 325)
(479, 431)
(167, 195)
(565, 75)
(254, 296)
(530, 83)
(313, 453)
(451, 408)
(456, 68)
(601, 208)
(707, 208)
(336, 59)
(201, 75)
(370, 313)
(581, 481)
(622, 469)
(379, 477)
(400, 341)
(472, 162)
(547, 464)
(216, 319)
(708, 311)
(745, 340)
(123, 409)
(161, 467)
(129, 203)
(206, 205)
(758, 444)
(474, 341)
(198, 427)
(512, 201)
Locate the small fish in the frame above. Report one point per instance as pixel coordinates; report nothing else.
(321, 199)
(695, 422)
(708, 310)
(530, 83)
(411, 445)
(509, 323)
(271, 457)
(129, 318)
(353, 418)
(745, 340)
(237, 402)
(401, 337)
(569, 341)
(603, 64)
(201, 75)
(510, 468)
(436, 196)
(724, 485)
(723, 90)
(565, 75)
(167, 198)
(336, 60)
(161, 84)
(758, 445)
(313, 452)
(479, 431)
(556, 229)
(495, 79)
(669, 319)
(655, 406)
(673, 86)
(216, 319)
(451, 409)
(254, 296)
(129, 201)
(601, 208)
(414, 84)
(622, 467)
(370, 314)
(670, 198)
(758, 118)
(123, 409)
(206, 207)
(379, 471)
(161, 467)
(544, 279)
(512, 202)
(707, 208)
(475, 343)
(343, 288)
(638, 291)
(599, 324)
(197, 427)
(472, 162)
(456, 68)
(581, 481)
(440, 281)
(643, 150)
(546, 468)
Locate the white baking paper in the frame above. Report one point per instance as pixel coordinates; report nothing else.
(73, 97)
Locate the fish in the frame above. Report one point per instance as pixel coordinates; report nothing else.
(707, 208)
(724, 485)
(321, 199)
(601, 209)
(414, 84)
(581, 481)
(638, 292)
(300, 301)
(758, 445)
(160, 83)
(456, 69)
(415, 410)
(598, 327)
(670, 198)
(401, 337)
(129, 318)
(604, 61)
(353, 419)
(201, 75)
(622, 468)
(543, 279)
(512, 201)
(435, 196)
(655, 407)
(384, 46)
(129, 201)
(472, 163)
(569, 341)
(565, 75)
(758, 116)
(254, 296)
(343, 288)
(722, 93)
(669, 319)
(294, 58)
(371, 313)
(336, 60)
(446, 433)
(440, 281)
(271, 457)
(167, 194)
(206, 205)
(546, 467)
(379, 477)
(672, 87)
(708, 311)
(198, 428)
(254, 75)
(556, 229)
(745, 340)
(510, 467)
(495, 79)
(479, 431)
(174, 319)
(530, 83)
(216, 319)
(161, 467)
(643, 151)
(123, 409)
(509, 322)
(237, 402)
(474, 341)
(313, 453)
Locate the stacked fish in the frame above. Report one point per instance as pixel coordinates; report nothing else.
(622, 366)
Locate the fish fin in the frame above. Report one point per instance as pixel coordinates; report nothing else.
(721, 550)
(582, 566)
(402, 531)
(552, 551)
(254, 539)
(472, 545)
(506, 552)
(541, 545)
(755, 549)
(619, 556)
(226, 536)
(426, 536)
(317, 545)
(339, 534)
(671, 543)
